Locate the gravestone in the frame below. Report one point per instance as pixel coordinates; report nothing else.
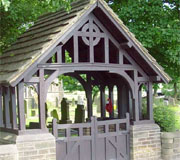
(80, 114)
(80, 111)
(65, 112)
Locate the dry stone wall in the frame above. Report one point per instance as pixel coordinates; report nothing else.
(170, 146)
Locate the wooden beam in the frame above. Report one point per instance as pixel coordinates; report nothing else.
(6, 105)
(21, 111)
(155, 78)
(1, 109)
(86, 66)
(89, 34)
(126, 45)
(13, 105)
(31, 80)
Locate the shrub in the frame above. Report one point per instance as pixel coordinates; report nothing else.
(165, 117)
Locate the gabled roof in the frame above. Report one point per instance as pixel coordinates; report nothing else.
(49, 28)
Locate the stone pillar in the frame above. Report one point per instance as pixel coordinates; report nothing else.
(145, 142)
(170, 145)
(8, 152)
(39, 146)
(36, 147)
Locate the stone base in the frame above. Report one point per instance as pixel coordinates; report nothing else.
(145, 142)
(8, 152)
(27, 147)
(36, 147)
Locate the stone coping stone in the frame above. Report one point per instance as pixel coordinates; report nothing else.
(144, 127)
(8, 149)
(36, 137)
(170, 135)
(7, 137)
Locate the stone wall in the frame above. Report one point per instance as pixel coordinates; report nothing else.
(170, 146)
(8, 152)
(27, 147)
(145, 142)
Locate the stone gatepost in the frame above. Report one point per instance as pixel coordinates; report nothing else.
(36, 147)
(145, 142)
(40, 146)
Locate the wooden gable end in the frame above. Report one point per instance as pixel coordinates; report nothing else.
(53, 31)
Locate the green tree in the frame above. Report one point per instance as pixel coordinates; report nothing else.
(155, 24)
(16, 16)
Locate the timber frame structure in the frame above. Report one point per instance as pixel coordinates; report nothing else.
(100, 46)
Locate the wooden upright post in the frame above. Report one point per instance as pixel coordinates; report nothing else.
(1, 109)
(112, 99)
(150, 101)
(13, 105)
(103, 101)
(140, 103)
(89, 97)
(6, 105)
(21, 112)
(136, 104)
(42, 117)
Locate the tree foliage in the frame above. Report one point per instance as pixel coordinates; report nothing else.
(155, 24)
(16, 16)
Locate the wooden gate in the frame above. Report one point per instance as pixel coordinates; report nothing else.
(96, 140)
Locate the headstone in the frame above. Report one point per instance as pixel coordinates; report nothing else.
(80, 111)
(54, 114)
(65, 112)
(80, 114)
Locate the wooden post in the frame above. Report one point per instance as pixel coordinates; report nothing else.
(91, 46)
(89, 97)
(13, 105)
(54, 127)
(59, 54)
(119, 101)
(21, 112)
(112, 99)
(136, 104)
(103, 101)
(1, 109)
(150, 101)
(6, 105)
(42, 117)
(76, 50)
(140, 103)
(106, 50)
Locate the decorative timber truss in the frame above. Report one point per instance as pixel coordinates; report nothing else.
(99, 46)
